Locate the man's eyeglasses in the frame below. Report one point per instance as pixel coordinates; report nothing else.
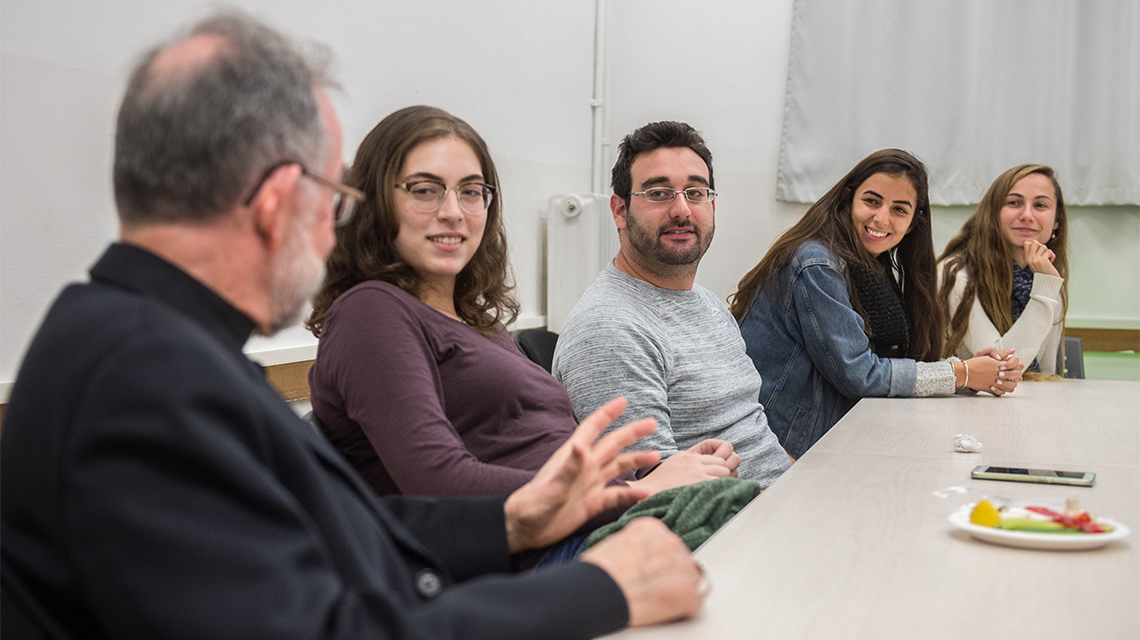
(345, 198)
(428, 195)
(660, 195)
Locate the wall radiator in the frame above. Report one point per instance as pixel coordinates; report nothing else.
(581, 239)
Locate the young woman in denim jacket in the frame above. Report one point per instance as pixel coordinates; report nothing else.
(1003, 277)
(843, 306)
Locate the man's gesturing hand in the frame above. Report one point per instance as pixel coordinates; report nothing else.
(572, 486)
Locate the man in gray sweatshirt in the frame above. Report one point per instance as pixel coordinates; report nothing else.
(646, 331)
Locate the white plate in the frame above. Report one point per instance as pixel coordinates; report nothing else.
(960, 519)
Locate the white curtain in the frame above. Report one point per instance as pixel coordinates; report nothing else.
(972, 87)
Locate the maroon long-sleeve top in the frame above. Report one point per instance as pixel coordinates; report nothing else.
(422, 404)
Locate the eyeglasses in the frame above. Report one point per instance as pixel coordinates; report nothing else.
(345, 198)
(428, 195)
(661, 195)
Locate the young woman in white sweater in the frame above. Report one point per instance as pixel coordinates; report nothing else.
(1004, 276)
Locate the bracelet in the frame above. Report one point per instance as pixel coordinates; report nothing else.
(967, 380)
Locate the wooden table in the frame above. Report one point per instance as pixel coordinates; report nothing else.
(851, 543)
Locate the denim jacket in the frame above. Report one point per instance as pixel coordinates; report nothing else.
(814, 358)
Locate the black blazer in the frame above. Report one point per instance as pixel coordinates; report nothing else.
(154, 485)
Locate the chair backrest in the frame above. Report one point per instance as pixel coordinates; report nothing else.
(538, 345)
(1074, 358)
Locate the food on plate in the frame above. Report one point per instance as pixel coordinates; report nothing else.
(985, 514)
(1032, 524)
(1037, 519)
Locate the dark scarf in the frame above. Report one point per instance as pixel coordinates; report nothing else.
(1019, 298)
(1022, 285)
(886, 319)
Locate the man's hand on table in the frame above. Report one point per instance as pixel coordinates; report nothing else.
(655, 571)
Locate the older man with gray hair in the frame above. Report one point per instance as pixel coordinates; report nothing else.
(154, 484)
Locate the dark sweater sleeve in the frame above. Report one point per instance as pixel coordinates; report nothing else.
(379, 355)
(573, 600)
(556, 596)
(479, 548)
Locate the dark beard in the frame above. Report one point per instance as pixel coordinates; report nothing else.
(651, 246)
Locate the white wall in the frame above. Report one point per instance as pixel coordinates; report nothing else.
(520, 72)
(722, 68)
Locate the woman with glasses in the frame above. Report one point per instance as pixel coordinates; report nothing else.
(843, 306)
(1004, 275)
(416, 379)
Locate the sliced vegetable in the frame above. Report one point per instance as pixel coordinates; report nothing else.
(1082, 521)
(1037, 526)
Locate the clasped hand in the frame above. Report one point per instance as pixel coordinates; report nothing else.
(995, 371)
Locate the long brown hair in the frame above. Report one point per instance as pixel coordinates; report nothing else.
(365, 247)
(982, 250)
(910, 265)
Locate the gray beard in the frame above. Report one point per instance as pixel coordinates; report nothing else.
(297, 277)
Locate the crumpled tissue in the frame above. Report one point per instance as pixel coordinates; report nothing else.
(965, 443)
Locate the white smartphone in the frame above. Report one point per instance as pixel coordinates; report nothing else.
(1042, 476)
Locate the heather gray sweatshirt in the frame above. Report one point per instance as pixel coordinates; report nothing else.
(677, 356)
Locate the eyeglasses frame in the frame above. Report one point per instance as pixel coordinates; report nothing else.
(711, 193)
(350, 196)
(406, 186)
